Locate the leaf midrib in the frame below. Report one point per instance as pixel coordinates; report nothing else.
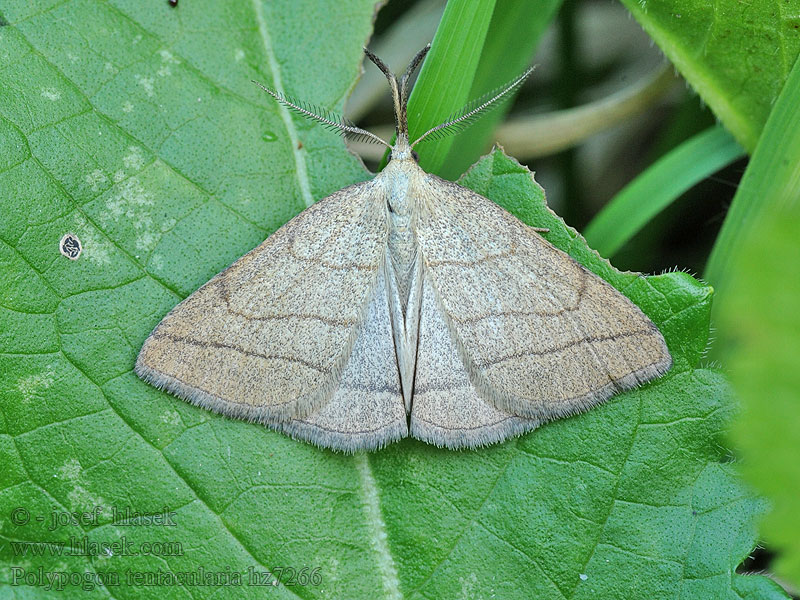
(301, 169)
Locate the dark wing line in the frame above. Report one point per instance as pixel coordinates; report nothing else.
(202, 344)
(589, 339)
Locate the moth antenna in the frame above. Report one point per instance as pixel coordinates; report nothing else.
(328, 118)
(469, 113)
(412, 66)
(401, 122)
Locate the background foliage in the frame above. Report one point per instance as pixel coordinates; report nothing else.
(124, 124)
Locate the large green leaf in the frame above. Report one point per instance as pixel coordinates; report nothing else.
(135, 128)
(736, 55)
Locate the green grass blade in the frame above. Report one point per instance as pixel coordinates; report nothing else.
(478, 47)
(447, 75)
(660, 185)
(770, 183)
(514, 33)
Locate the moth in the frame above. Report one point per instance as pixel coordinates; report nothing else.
(404, 305)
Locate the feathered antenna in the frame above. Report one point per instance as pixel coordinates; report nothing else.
(399, 86)
(469, 113)
(329, 119)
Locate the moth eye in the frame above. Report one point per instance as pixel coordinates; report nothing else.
(415, 156)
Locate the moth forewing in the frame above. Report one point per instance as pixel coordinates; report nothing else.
(540, 336)
(262, 340)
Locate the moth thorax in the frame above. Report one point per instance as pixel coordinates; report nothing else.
(402, 236)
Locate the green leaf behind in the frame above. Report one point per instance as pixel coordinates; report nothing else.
(770, 184)
(658, 186)
(514, 32)
(756, 264)
(736, 55)
(759, 326)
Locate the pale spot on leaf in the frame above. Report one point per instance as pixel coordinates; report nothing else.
(70, 470)
(51, 94)
(156, 262)
(146, 83)
(32, 385)
(79, 220)
(98, 252)
(130, 201)
(95, 179)
(146, 240)
(81, 499)
(171, 417)
(168, 57)
(468, 585)
(134, 159)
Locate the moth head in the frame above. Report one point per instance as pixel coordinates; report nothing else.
(402, 149)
